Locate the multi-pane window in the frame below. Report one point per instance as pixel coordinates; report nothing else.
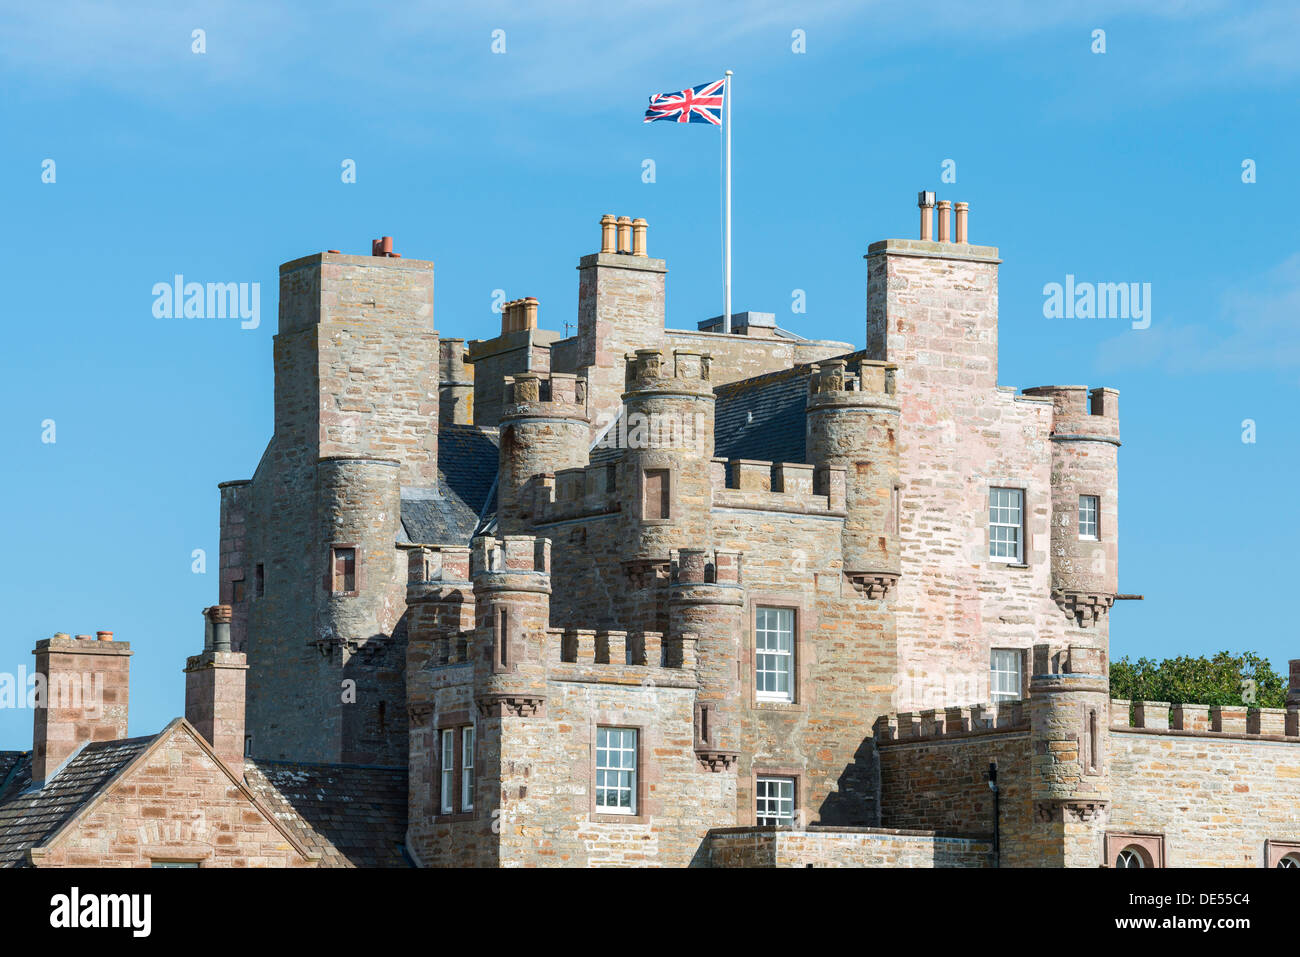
(1006, 525)
(1004, 674)
(467, 769)
(775, 801)
(1290, 862)
(1130, 857)
(1088, 517)
(456, 769)
(448, 762)
(344, 569)
(616, 770)
(774, 653)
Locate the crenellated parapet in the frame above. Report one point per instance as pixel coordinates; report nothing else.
(1085, 499)
(668, 372)
(937, 724)
(792, 487)
(440, 606)
(852, 424)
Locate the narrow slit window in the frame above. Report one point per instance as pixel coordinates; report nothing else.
(467, 768)
(448, 764)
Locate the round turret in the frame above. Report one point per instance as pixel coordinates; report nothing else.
(544, 428)
(852, 417)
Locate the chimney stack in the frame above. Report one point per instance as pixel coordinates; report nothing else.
(214, 691)
(945, 221)
(625, 234)
(383, 247)
(608, 227)
(925, 200)
(638, 237)
(962, 209)
(87, 690)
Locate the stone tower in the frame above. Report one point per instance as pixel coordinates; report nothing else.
(620, 309)
(309, 562)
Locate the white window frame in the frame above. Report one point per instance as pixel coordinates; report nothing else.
(1090, 518)
(773, 659)
(997, 691)
(1130, 857)
(617, 755)
(447, 766)
(467, 768)
(1006, 513)
(774, 803)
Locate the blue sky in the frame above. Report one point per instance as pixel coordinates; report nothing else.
(1119, 167)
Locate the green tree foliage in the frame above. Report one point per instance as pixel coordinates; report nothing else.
(1225, 679)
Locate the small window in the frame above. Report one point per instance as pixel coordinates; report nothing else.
(173, 863)
(448, 764)
(775, 802)
(345, 570)
(501, 639)
(1004, 674)
(656, 490)
(467, 769)
(260, 580)
(1088, 507)
(1291, 862)
(1130, 857)
(1006, 525)
(237, 590)
(616, 754)
(774, 653)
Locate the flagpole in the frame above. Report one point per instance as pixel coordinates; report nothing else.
(726, 208)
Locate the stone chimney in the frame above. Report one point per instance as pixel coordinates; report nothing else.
(86, 695)
(214, 690)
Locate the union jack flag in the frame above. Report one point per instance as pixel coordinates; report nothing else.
(699, 104)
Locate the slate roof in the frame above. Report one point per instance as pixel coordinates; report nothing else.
(354, 815)
(467, 471)
(775, 432)
(28, 817)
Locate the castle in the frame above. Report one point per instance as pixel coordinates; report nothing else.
(651, 596)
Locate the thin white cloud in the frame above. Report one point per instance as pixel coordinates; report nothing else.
(1257, 329)
(437, 49)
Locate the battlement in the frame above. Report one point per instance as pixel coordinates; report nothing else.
(546, 395)
(699, 566)
(510, 554)
(1053, 661)
(1239, 721)
(627, 658)
(674, 371)
(966, 721)
(427, 564)
(583, 492)
(1080, 412)
(778, 486)
(836, 376)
